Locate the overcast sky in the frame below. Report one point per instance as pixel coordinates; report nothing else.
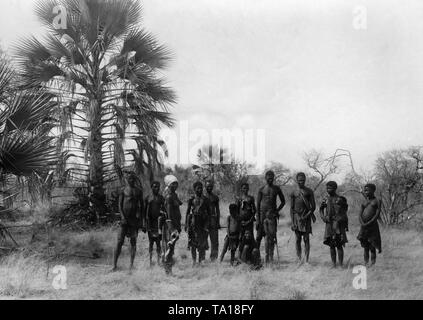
(298, 69)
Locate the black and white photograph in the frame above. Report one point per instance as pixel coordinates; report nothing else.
(212, 155)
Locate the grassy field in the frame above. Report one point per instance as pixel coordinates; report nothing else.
(398, 273)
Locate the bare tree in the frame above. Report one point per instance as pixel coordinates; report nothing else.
(322, 166)
(217, 164)
(283, 175)
(400, 184)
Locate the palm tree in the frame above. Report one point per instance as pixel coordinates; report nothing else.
(26, 144)
(106, 70)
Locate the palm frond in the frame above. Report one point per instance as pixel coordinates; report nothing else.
(45, 11)
(29, 110)
(22, 154)
(36, 65)
(146, 48)
(31, 50)
(160, 93)
(6, 75)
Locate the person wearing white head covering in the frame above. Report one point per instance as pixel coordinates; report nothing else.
(172, 226)
(168, 180)
(173, 203)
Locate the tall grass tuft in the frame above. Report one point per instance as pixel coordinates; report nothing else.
(21, 277)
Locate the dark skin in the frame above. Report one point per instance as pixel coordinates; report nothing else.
(301, 181)
(331, 190)
(370, 196)
(215, 226)
(172, 188)
(301, 184)
(270, 184)
(155, 189)
(234, 217)
(248, 238)
(244, 197)
(374, 205)
(169, 261)
(209, 190)
(198, 194)
(232, 221)
(270, 228)
(130, 205)
(266, 197)
(249, 254)
(130, 196)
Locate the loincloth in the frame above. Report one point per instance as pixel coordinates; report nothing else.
(370, 235)
(154, 235)
(129, 231)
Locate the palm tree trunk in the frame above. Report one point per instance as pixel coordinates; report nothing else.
(96, 183)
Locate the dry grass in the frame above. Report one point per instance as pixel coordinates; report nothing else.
(397, 275)
(22, 277)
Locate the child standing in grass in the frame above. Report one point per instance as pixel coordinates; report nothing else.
(131, 211)
(369, 235)
(233, 233)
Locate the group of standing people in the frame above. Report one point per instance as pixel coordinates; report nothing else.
(159, 216)
(333, 212)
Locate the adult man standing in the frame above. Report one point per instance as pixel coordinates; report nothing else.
(302, 210)
(197, 224)
(268, 213)
(131, 210)
(214, 225)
